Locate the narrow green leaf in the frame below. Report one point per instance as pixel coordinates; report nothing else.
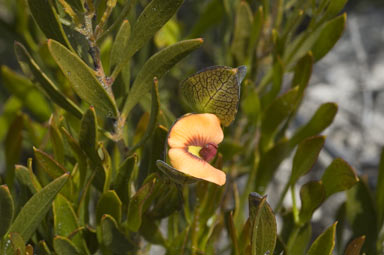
(299, 240)
(150, 230)
(257, 28)
(277, 81)
(324, 243)
(109, 203)
(212, 14)
(242, 29)
(380, 190)
(151, 19)
(29, 67)
(335, 7)
(155, 108)
(65, 221)
(263, 224)
(121, 183)
(302, 72)
(26, 177)
(322, 118)
(50, 165)
(24, 89)
(45, 16)
(113, 239)
(16, 244)
(137, 204)
(12, 147)
(64, 246)
(10, 109)
(328, 37)
(275, 115)
(83, 79)
(306, 156)
(56, 140)
(362, 216)
(354, 247)
(338, 176)
(35, 209)
(120, 43)
(169, 201)
(156, 66)
(7, 209)
(88, 134)
(312, 195)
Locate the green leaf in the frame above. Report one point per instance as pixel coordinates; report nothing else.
(109, 203)
(29, 67)
(275, 115)
(149, 229)
(120, 43)
(216, 90)
(156, 66)
(64, 246)
(335, 7)
(51, 166)
(34, 211)
(139, 202)
(10, 109)
(155, 109)
(312, 195)
(354, 247)
(338, 176)
(263, 222)
(45, 16)
(121, 183)
(83, 79)
(56, 140)
(65, 221)
(42, 248)
(380, 190)
(362, 215)
(324, 243)
(113, 239)
(23, 89)
(17, 244)
(241, 33)
(328, 37)
(169, 201)
(168, 34)
(7, 209)
(212, 14)
(305, 157)
(299, 239)
(88, 134)
(12, 146)
(26, 177)
(151, 19)
(302, 72)
(322, 118)
(232, 233)
(277, 81)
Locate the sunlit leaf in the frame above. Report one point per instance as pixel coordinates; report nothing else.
(109, 203)
(324, 243)
(7, 209)
(64, 246)
(312, 195)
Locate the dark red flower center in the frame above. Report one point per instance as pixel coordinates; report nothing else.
(208, 152)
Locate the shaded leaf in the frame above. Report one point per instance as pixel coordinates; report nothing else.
(380, 190)
(151, 19)
(150, 230)
(44, 14)
(26, 177)
(305, 157)
(109, 203)
(83, 79)
(156, 66)
(56, 141)
(121, 183)
(7, 209)
(216, 90)
(312, 195)
(322, 118)
(64, 246)
(275, 115)
(328, 37)
(324, 243)
(113, 239)
(120, 43)
(50, 165)
(29, 67)
(263, 222)
(16, 244)
(299, 240)
(338, 176)
(88, 134)
(361, 215)
(35, 209)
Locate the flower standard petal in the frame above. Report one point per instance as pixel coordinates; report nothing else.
(189, 164)
(195, 129)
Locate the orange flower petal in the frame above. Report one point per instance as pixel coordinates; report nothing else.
(193, 166)
(195, 129)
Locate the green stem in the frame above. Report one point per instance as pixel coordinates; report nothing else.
(295, 210)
